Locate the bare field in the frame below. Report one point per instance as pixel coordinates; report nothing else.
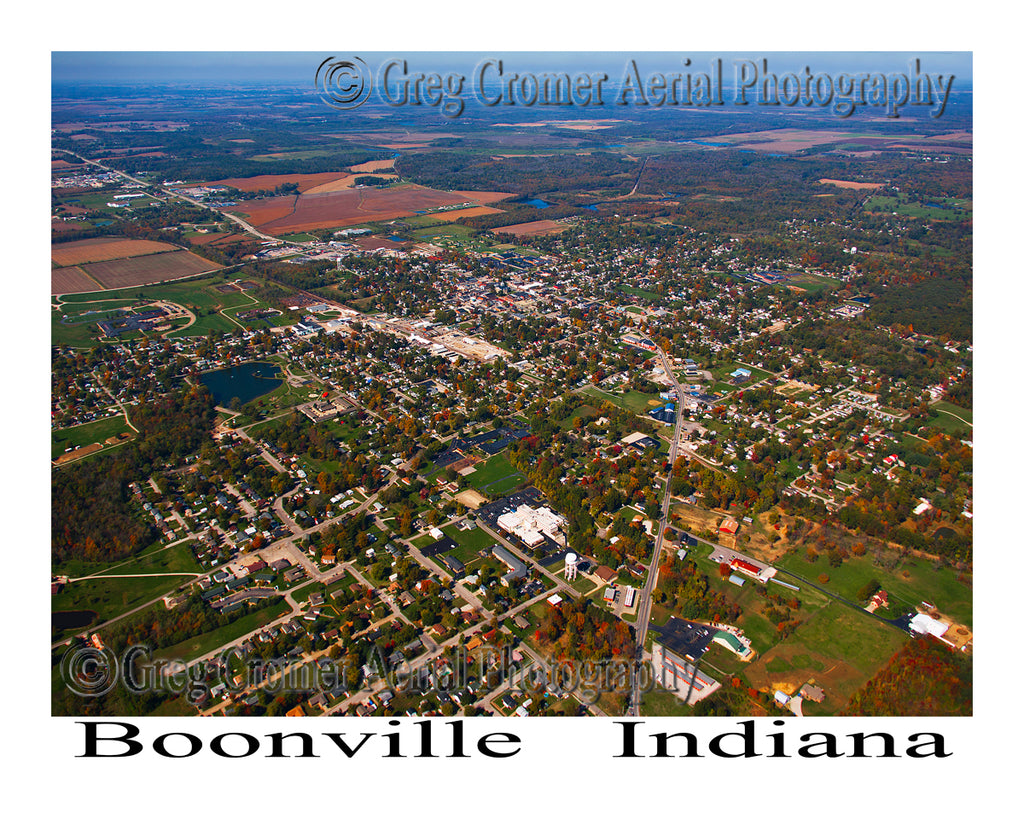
(71, 280)
(342, 184)
(857, 186)
(543, 227)
(207, 238)
(452, 215)
(102, 250)
(373, 165)
(483, 197)
(60, 226)
(159, 267)
(782, 140)
(313, 211)
(267, 182)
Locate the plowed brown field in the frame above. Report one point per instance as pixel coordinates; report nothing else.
(103, 249)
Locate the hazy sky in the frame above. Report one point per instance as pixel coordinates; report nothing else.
(299, 67)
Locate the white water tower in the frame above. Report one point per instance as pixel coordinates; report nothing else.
(570, 567)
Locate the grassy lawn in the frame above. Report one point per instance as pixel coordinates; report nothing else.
(204, 325)
(643, 294)
(950, 418)
(660, 702)
(195, 292)
(197, 646)
(638, 402)
(177, 558)
(838, 647)
(475, 539)
(936, 208)
(913, 580)
(83, 434)
(111, 596)
(812, 283)
(722, 373)
(494, 469)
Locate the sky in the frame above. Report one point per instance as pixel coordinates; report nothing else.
(287, 67)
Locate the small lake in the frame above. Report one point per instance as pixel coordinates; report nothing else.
(540, 204)
(244, 382)
(61, 620)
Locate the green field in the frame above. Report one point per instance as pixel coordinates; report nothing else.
(204, 325)
(950, 418)
(642, 294)
(637, 402)
(198, 295)
(660, 702)
(84, 434)
(177, 558)
(722, 373)
(203, 644)
(496, 468)
(938, 208)
(812, 283)
(111, 596)
(470, 542)
(198, 292)
(838, 647)
(913, 580)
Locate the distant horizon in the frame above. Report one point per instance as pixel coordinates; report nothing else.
(213, 68)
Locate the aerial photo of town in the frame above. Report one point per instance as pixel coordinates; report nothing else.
(447, 401)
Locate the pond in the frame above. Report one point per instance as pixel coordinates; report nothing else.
(244, 382)
(61, 620)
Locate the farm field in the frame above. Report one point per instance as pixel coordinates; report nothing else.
(71, 280)
(268, 182)
(313, 211)
(461, 213)
(149, 269)
(857, 186)
(103, 249)
(542, 227)
(373, 166)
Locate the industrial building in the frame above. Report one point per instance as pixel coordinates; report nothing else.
(675, 674)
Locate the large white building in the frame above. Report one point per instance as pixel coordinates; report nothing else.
(531, 525)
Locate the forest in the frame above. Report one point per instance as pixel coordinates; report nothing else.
(923, 679)
(93, 517)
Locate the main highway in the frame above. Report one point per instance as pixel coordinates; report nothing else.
(643, 609)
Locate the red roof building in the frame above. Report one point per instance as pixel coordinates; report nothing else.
(745, 567)
(728, 527)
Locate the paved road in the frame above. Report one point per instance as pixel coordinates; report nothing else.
(643, 607)
(168, 192)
